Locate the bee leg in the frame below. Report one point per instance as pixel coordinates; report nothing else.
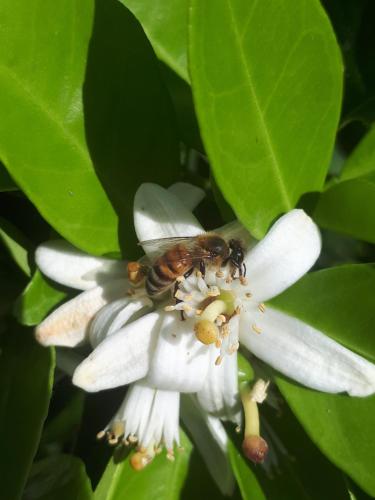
(189, 273)
(176, 285)
(244, 269)
(202, 268)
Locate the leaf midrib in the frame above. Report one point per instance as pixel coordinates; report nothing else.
(277, 169)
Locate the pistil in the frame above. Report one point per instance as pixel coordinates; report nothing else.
(254, 446)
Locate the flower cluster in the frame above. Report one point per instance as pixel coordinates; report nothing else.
(145, 343)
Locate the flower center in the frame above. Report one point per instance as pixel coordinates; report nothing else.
(215, 302)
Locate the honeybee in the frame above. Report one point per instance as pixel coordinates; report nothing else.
(180, 256)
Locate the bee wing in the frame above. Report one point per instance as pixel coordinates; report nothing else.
(160, 245)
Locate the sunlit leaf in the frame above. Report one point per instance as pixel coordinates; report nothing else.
(37, 300)
(339, 302)
(73, 109)
(160, 480)
(267, 82)
(165, 23)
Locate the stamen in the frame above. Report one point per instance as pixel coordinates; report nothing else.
(170, 455)
(169, 308)
(100, 435)
(262, 307)
(248, 295)
(259, 391)
(256, 329)
(213, 291)
(219, 274)
(180, 295)
(180, 279)
(243, 280)
(218, 360)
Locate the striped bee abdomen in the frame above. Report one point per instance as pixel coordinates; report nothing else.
(166, 269)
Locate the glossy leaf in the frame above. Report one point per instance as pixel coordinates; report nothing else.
(341, 426)
(246, 479)
(26, 373)
(295, 469)
(37, 300)
(59, 477)
(267, 83)
(17, 245)
(160, 480)
(165, 24)
(349, 207)
(73, 109)
(337, 301)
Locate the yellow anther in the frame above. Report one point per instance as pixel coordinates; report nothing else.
(261, 307)
(218, 360)
(100, 435)
(219, 274)
(248, 295)
(256, 329)
(243, 280)
(169, 308)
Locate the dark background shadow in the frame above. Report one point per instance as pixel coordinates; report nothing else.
(129, 123)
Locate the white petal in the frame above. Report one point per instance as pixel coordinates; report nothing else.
(164, 420)
(150, 414)
(219, 394)
(284, 255)
(65, 264)
(211, 440)
(306, 355)
(188, 194)
(158, 213)
(68, 325)
(115, 315)
(180, 361)
(121, 358)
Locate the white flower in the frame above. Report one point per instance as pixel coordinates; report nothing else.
(138, 342)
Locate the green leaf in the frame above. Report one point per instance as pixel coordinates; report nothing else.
(60, 477)
(160, 480)
(294, 469)
(37, 300)
(246, 479)
(341, 426)
(26, 374)
(74, 113)
(337, 301)
(165, 24)
(267, 83)
(17, 245)
(348, 205)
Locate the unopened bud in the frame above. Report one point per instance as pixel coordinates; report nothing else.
(255, 448)
(206, 331)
